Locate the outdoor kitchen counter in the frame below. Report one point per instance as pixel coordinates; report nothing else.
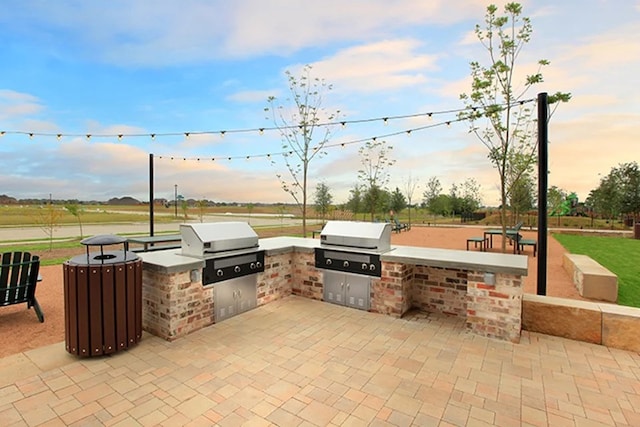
(451, 258)
(444, 258)
(172, 260)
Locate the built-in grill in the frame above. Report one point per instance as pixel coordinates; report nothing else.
(232, 260)
(351, 251)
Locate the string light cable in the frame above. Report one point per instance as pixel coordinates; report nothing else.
(260, 130)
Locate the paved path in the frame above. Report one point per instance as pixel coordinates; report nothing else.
(70, 231)
(298, 362)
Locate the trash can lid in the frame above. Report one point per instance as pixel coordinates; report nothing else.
(103, 239)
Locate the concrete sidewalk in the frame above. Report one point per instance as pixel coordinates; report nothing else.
(302, 362)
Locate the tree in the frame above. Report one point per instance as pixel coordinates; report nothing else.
(509, 130)
(48, 219)
(297, 123)
(522, 196)
(470, 199)
(250, 207)
(374, 156)
(76, 210)
(628, 176)
(397, 201)
(354, 204)
(433, 191)
(410, 186)
(323, 199)
(202, 208)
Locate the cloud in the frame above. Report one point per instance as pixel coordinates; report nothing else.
(15, 104)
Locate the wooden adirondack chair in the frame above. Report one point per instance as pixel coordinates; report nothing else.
(18, 280)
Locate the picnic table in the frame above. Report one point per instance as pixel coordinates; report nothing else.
(150, 241)
(512, 234)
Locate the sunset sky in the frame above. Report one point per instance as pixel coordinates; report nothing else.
(145, 67)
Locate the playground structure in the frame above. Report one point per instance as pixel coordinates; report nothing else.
(569, 206)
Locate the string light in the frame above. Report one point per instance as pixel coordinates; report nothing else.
(88, 137)
(153, 136)
(222, 132)
(261, 130)
(59, 136)
(269, 156)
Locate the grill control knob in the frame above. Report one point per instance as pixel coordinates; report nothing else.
(328, 262)
(258, 264)
(252, 266)
(236, 269)
(372, 267)
(364, 266)
(345, 264)
(219, 273)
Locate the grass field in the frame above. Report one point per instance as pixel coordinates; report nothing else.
(621, 256)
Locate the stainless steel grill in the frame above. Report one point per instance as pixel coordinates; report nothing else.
(351, 250)
(232, 260)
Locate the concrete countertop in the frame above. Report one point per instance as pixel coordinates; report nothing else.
(172, 260)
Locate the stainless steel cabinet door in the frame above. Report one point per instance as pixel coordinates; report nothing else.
(223, 300)
(357, 291)
(333, 284)
(246, 294)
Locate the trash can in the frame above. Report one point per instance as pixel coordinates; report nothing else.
(102, 298)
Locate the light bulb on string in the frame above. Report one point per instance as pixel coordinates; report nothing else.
(2, 133)
(409, 132)
(187, 135)
(385, 121)
(344, 124)
(120, 137)
(153, 136)
(30, 136)
(88, 136)
(261, 131)
(430, 116)
(222, 133)
(448, 124)
(59, 136)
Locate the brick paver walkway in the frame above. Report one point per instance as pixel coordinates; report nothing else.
(301, 362)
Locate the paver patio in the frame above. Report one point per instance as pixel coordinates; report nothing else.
(302, 362)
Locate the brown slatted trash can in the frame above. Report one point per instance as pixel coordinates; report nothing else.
(102, 299)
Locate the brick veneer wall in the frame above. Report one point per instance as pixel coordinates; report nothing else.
(307, 280)
(440, 290)
(391, 294)
(277, 279)
(173, 305)
(495, 311)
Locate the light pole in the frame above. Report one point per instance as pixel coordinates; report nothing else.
(175, 200)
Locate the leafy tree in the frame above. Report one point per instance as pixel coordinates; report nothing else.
(76, 210)
(374, 156)
(297, 122)
(496, 97)
(628, 176)
(441, 205)
(323, 199)
(433, 191)
(354, 204)
(470, 199)
(397, 201)
(522, 196)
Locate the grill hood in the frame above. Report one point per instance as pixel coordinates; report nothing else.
(213, 237)
(374, 236)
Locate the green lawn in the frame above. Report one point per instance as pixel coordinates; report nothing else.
(621, 256)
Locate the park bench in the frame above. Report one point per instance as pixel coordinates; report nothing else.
(18, 280)
(591, 279)
(527, 242)
(398, 226)
(475, 240)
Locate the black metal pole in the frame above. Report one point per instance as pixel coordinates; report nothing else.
(543, 171)
(151, 196)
